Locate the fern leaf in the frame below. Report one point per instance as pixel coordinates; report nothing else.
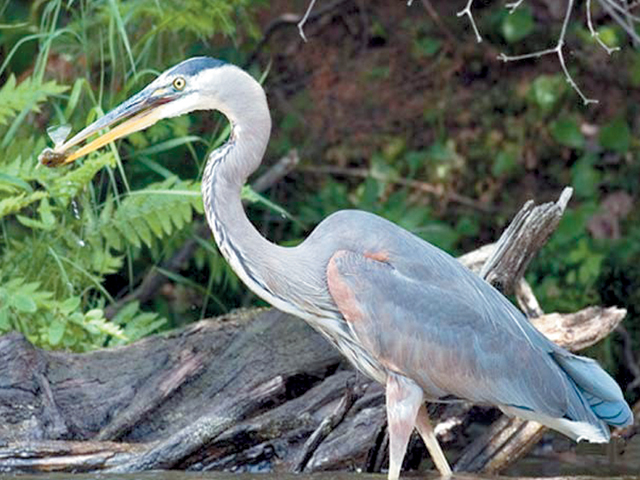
(149, 214)
(27, 95)
(154, 220)
(65, 188)
(16, 203)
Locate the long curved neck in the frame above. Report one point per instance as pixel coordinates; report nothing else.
(252, 257)
(291, 279)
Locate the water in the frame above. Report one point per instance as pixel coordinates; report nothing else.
(171, 475)
(587, 462)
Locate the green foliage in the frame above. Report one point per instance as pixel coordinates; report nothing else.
(585, 178)
(547, 91)
(200, 18)
(427, 46)
(616, 136)
(51, 322)
(567, 270)
(67, 234)
(25, 96)
(383, 192)
(152, 214)
(565, 130)
(517, 25)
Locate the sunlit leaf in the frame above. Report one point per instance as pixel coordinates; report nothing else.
(23, 303)
(518, 25)
(585, 178)
(546, 91)
(504, 163)
(56, 332)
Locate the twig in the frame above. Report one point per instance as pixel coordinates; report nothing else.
(288, 19)
(615, 11)
(558, 50)
(595, 34)
(415, 184)
(618, 10)
(467, 11)
(627, 15)
(304, 19)
(622, 10)
(513, 6)
(277, 172)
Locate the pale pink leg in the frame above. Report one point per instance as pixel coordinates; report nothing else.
(429, 437)
(404, 398)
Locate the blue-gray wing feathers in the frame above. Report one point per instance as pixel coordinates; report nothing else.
(431, 319)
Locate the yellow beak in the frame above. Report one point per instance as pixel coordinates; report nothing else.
(139, 111)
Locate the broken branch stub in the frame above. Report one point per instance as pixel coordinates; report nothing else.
(524, 237)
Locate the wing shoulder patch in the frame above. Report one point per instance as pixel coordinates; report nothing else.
(344, 273)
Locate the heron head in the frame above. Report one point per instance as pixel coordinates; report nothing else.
(195, 84)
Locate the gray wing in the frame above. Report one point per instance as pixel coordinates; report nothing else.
(446, 329)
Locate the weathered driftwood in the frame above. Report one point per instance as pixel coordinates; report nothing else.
(521, 241)
(252, 391)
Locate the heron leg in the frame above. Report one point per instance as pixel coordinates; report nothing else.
(429, 437)
(404, 398)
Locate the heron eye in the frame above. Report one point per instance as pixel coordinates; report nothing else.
(179, 83)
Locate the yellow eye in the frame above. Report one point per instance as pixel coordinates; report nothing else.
(179, 83)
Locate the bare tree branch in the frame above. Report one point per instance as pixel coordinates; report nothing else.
(618, 10)
(304, 19)
(558, 50)
(513, 6)
(467, 11)
(595, 34)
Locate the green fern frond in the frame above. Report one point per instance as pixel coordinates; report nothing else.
(63, 188)
(16, 203)
(187, 17)
(66, 187)
(94, 322)
(28, 94)
(150, 214)
(53, 323)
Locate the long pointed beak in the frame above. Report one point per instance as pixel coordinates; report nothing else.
(138, 112)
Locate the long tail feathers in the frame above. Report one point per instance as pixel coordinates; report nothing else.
(615, 413)
(600, 391)
(595, 400)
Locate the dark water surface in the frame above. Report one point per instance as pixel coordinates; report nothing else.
(270, 476)
(175, 475)
(587, 462)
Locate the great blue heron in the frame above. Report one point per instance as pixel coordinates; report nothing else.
(402, 311)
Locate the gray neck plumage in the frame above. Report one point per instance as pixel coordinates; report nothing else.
(291, 279)
(258, 262)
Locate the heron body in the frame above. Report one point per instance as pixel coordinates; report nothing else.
(404, 312)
